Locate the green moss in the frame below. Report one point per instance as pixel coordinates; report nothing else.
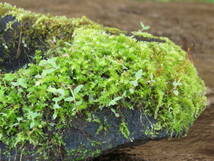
(124, 130)
(86, 67)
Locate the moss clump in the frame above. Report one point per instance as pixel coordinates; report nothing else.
(83, 68)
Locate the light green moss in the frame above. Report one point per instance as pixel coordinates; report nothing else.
(86, 67)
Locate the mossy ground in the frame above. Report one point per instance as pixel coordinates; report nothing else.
(86, 67)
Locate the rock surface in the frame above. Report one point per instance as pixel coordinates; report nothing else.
(83, 134)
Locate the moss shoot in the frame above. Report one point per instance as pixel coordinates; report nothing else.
(77, 66)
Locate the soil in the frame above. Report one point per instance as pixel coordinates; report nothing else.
(190, 25)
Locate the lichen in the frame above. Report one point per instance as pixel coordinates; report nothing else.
(77, 66)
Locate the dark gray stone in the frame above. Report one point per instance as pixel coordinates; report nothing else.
(83, 135)
(17, 48)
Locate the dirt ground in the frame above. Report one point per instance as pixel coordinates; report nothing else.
(190, 25)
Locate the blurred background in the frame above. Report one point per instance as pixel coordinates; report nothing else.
(189, 23)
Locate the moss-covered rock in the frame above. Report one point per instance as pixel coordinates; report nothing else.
(84, 88)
